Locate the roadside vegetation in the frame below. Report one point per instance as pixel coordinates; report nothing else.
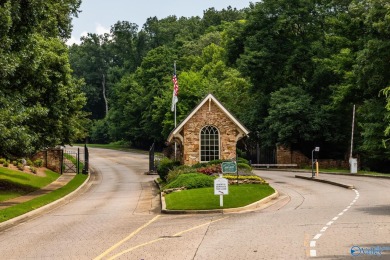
(290, 72)
(191, 187)
(20, 209)
(15, 183)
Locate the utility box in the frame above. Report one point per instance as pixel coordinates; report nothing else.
(353, 164)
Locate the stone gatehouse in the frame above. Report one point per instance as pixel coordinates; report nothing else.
(209, 132)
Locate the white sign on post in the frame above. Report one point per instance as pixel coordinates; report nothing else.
(221, 187)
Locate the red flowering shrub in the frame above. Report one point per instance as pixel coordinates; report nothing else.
(210, 169)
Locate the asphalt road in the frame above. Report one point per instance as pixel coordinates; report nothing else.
(118, 217)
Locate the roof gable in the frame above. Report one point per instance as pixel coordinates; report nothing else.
(209, 97)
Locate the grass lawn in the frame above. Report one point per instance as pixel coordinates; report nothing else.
(17, 183)
(28, 183)
(204, 198)
(27, 206)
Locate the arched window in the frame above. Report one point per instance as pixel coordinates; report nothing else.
(209, 143)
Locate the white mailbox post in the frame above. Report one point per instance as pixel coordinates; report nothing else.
(221, 187)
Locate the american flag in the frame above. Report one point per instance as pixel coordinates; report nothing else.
(175, 92)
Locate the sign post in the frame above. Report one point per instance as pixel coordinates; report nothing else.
(221, 187)
(316, 149)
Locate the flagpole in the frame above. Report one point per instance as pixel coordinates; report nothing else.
(174, 66)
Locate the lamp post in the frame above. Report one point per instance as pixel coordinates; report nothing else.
(316, 149)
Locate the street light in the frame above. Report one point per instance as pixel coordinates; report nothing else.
(316, 149)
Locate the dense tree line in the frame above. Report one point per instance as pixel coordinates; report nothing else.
(290, 70)
(40, 102)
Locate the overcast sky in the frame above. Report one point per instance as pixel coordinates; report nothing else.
(97, 16)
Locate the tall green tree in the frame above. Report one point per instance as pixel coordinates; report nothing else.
(40, 101)
(91, 61)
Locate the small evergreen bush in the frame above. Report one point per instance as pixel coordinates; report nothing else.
(2, 161)
(33, 169)
(244, 168)
(191, 181)
(165, 166)
(29, 162)
(6, 163)
(20, 167)
(38, 163)
(174, 173)
(242, 160)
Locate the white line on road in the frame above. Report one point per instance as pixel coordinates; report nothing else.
(317, 236)
(313, 252)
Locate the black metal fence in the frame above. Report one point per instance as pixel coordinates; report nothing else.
(72, 159)
(257, 154)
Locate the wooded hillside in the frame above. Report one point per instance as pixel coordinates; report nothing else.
(290, 70)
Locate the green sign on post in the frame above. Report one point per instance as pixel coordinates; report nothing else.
(229, 167)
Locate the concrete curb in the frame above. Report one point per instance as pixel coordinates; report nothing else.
(355, 175)
(347, 186)
(330, 173)
(34, 213)
(251, 207)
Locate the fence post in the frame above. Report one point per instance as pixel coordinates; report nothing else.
(62, 161)
(78, 160)
(86, 160)
(151, 159)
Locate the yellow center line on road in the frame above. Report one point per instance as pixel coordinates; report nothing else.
(126, 238)
(158, 239)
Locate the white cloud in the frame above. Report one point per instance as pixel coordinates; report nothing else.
(83, 34)
(72, 41)
(100, 29)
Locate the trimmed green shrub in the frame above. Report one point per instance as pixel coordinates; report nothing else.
(174, 173)
(243, 167)
(2, 161)
(6, 164)
(165, 166)
(15, 163)
(20, 167)
(38, 163)
(242, 160)
(33, 169)
(191, 181)
(199, 165)
(29, 162)
(213, 162)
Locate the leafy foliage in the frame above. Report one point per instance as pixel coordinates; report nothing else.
(191, 181)
(164, 166)
(290, 71)
(40, 102)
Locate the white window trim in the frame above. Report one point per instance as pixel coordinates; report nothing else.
(200, 143)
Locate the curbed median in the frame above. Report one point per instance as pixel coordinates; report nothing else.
(347, 186)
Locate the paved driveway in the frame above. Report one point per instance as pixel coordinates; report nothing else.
(118, 218)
